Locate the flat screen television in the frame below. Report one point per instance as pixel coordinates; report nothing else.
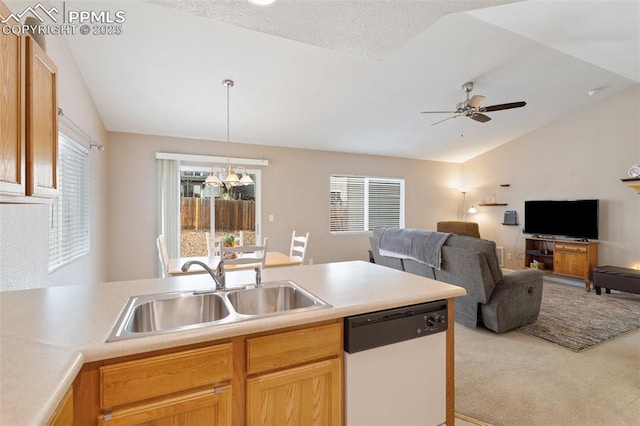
(570, 218)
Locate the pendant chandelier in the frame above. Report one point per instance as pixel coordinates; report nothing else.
(231, 178)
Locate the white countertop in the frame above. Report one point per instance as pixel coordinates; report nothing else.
(47, 334)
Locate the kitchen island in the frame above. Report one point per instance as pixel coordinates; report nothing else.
(48, 334)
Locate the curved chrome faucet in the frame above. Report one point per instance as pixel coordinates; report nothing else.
(217, 275)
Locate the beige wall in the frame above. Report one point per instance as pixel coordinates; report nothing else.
(583, 155)
(295, 190)
(23, 228)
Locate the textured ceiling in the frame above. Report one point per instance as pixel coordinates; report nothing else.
(371, 29)
(351, 76)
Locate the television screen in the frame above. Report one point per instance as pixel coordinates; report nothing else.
(574, 218)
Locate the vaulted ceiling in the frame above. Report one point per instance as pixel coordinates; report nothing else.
(353, 76)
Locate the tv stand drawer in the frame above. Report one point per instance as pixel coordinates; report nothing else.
(572, 248)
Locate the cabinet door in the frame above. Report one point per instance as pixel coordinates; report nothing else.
(568, 263)
(12, 137)
(64, 413)
(41, 122)
(306, 395)
(207, 408)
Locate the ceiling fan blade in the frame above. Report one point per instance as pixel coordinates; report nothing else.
(480, 117)
(438, 112)
(448, 118)
(476, 101)
(503, 106)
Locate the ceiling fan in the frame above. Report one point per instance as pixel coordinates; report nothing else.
(471, 107)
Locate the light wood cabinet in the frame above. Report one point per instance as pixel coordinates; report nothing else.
(147, 378)
(307, 395)
(210, 407)
(563, 257)
(295, 378)
(12, 112)
(64, 413)
(181, 386)
(41, 122)
(290, 377)
(28, 119)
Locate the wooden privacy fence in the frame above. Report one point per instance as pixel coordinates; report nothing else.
(231, 215)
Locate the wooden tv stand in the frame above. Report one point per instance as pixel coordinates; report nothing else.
(563, 257)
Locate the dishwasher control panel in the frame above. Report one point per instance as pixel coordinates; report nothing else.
(375, 329)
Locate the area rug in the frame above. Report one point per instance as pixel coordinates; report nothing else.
(577, 320)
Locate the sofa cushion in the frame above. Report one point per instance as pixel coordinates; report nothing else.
(418, 268)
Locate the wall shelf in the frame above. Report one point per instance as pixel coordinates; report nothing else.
(492, 204)
(633, 183)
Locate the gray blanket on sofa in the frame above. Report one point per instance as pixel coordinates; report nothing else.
(417, 244)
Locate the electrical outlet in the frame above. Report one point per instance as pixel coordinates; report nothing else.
(509, 256)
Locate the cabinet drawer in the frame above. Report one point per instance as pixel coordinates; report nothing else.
(164, 374)
(572, 248)
(293, 348)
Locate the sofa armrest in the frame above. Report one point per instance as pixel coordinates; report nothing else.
(514, 302)
(522, 276)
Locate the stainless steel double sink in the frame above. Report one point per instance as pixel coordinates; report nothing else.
(167, 312)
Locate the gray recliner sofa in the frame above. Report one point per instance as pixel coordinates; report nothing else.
(500, 302)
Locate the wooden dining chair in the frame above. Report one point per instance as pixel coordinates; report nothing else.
(213, 245)
(298, 246)
(248, 255)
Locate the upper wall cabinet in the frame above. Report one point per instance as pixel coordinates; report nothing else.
(28, 120)
(12, 112)
(41, 122)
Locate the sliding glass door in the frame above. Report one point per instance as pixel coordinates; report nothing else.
(219, 211)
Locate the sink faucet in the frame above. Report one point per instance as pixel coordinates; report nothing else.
(217, 275)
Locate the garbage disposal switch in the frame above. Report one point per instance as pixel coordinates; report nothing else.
(395, 366)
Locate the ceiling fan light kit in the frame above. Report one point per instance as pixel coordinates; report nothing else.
(471, 107)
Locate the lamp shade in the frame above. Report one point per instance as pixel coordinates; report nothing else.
(472, 210)
(231, 179)
(212, 180)
(246, 180)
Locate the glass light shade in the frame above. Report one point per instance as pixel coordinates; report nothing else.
(472, 210)
(231, 179)
(212, 180)
(262, 2)
(246, 180)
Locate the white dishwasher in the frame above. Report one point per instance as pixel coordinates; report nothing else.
(395, 366)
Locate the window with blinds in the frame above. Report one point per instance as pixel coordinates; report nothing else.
(69, 214)
(359, 204)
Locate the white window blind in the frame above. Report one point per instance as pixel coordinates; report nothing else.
(359, 204)
(69, 214)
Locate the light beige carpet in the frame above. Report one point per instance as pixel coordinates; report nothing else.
(515, 379)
